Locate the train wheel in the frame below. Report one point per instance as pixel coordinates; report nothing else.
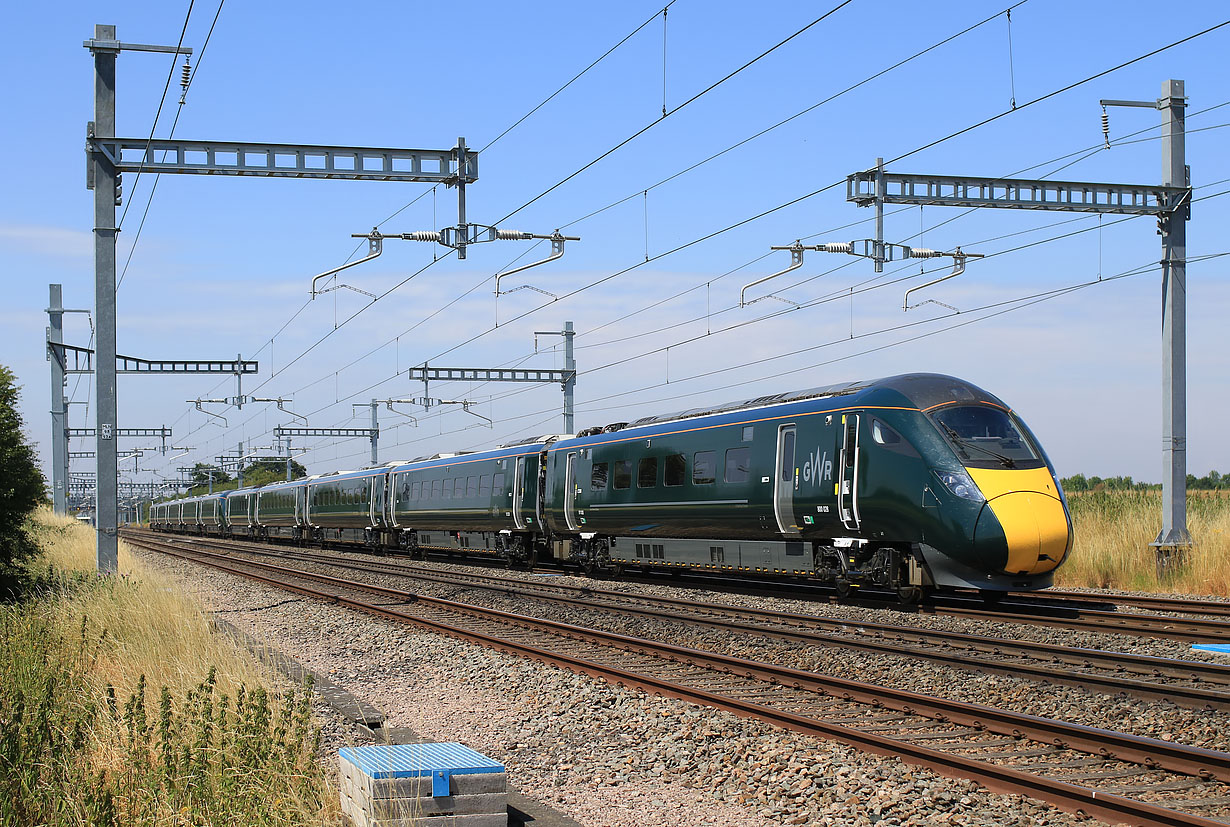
(910, 595)
(842, 587)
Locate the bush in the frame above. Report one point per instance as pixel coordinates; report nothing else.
(21, 483)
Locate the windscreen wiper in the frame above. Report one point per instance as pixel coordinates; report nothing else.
(1008, 462)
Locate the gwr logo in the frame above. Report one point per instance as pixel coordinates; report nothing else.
(818, 468)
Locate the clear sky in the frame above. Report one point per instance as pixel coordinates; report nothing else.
(223, 265)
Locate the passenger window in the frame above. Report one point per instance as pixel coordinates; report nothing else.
(737, 464)
(597, 477)
(446, 489)
(647, 473)
(435, 489)
(747, 433)
(704, 467)
(415, 490)
(675, 470)
(471, 486)
(459, 487)
(484, 487)
(623, 474)
(498, 483)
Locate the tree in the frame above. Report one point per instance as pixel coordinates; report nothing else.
(201, 473)
(22, 486)
(273, 467)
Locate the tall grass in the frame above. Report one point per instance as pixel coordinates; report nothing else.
(119, 706)
(1113, 531)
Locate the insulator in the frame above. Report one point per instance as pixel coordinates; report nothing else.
(923, 252)
(512, 235)
(422, 235)
(1106, 127)
(836, 247)
(186, 77)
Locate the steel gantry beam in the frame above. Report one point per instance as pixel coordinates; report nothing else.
(1015, 193)
(283, 432)
(82, 361)
(430, 166)
(160, 433)
(109, 156)
(567, 378)
(1170, 202)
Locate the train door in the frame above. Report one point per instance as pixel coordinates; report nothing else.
(518, 492)
(375, 510)
(570, 491)
(784, 482)
(848, 464)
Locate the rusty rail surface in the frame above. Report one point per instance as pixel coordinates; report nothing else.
(829, 692)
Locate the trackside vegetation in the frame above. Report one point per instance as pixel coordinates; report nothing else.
(119, 706)
(1114, 527)
(21, 486)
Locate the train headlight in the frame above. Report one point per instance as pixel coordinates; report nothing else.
(960, 484)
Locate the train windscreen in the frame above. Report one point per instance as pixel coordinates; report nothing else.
(987, 437)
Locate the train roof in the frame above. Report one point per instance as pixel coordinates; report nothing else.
(923, 390)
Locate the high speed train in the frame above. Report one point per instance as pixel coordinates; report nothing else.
(912, 483)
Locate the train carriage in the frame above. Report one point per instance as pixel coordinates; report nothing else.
(281, 510)
(911, 482)
(241, 513)
(484, 503)
(346, 507)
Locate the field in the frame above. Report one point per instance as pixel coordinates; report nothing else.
(1113, 532)
(119, 706)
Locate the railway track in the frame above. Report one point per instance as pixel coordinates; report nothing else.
(1157, 603)
(1108, 775)
(1075, 615)
(1185, 683)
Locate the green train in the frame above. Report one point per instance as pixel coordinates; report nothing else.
(912, 483)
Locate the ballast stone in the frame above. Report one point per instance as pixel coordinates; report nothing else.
(422, 785)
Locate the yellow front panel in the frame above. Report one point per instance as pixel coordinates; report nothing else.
(1033, 519)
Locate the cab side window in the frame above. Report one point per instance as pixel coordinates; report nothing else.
(882, 434)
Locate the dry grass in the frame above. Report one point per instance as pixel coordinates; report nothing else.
(156, 630)
(139, 637)
(1113, 532)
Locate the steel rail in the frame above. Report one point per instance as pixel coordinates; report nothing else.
(1160, 603)
(1198, 697)
(1175, 757)
(1107, 806)
(1192, 630)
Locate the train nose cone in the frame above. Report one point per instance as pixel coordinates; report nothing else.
(1034, 525)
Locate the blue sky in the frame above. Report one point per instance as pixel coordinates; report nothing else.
(222, 265)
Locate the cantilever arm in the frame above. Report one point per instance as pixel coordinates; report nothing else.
(796, 261)
(198, 403)
(390, 403)
(557, 250)
(958, 267)
(374, 246)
